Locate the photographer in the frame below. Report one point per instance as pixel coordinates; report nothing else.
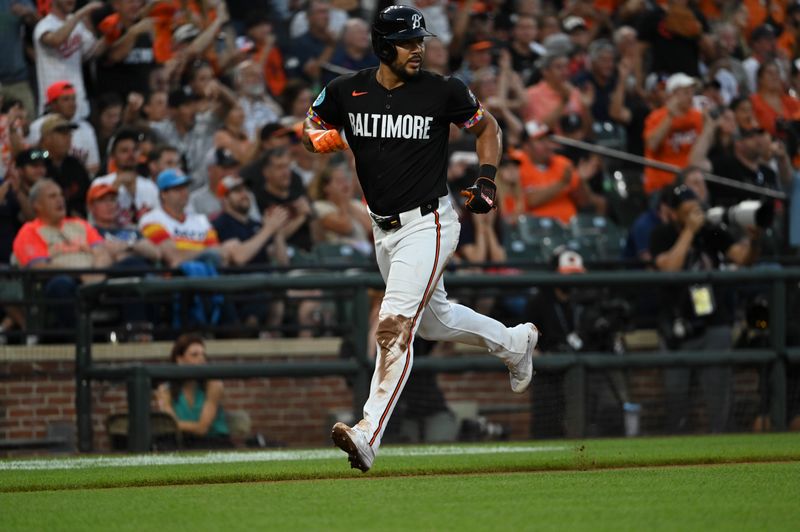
(698, 317)
(577, 321)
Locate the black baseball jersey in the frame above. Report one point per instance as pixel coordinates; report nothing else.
(399, 136)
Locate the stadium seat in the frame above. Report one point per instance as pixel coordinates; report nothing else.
(597, 237)
(534, 228)
(341, 255)
(164, 433)
(610, 135)
(624, 191)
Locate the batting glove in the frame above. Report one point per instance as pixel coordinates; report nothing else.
(326, 141)
(480, 196)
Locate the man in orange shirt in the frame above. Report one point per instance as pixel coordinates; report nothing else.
(56, 241)
(551, 185)
(670, 131)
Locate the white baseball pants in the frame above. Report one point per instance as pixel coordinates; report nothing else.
(411, 260)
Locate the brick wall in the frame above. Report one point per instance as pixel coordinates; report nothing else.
(36, 395)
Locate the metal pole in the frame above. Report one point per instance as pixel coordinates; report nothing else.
(360, 331)
(617, 154)
(777, 333)
(139, 411)
(575, 409)
(83, 383)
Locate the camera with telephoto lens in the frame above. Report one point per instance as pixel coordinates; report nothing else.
(747, 214)
(603, 319)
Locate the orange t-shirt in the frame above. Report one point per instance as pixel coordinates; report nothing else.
(274, 74)
(66, 246)
(609, 6)
(168, 16)
(767, 116)
(531, 176)
(541, 99)
(786, 43)
(710, 9)
(675, 147)
(757, 13)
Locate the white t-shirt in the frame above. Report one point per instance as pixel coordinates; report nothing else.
(84, 141)
(130, 208)
(64, 63)
(193, 233)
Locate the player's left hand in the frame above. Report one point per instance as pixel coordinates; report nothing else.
(481, 196)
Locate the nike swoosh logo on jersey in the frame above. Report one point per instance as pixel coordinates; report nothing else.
(355, 93)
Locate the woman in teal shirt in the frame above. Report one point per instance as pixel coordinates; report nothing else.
(196, 405)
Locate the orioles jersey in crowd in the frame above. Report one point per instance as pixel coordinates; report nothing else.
(674, 149)
(399, 136)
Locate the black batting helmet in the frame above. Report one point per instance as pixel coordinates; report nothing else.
(396, 23)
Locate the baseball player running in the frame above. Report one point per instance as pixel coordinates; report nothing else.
(396, 119)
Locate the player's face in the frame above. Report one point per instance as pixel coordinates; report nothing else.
(409, 58)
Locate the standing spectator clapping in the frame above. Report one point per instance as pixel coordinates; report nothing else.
(63, 42)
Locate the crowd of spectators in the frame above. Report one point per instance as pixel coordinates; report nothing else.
(166, 132)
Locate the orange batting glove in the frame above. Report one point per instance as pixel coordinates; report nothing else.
(326, 141)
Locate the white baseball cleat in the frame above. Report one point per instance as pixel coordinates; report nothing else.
(521, 371)
(355, 444)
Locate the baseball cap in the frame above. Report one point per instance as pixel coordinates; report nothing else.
(180, 97)
(655, 80)
(59, 89)
(764, 31)
(570, 262)
(679, 81)
(184, 33)
(479, 46)
(679, 194)
(56, 122)
(171, 178)
(557, 44)
(574, 23)
(221, 157)
(31, 156)
(228, 183)
(96, 192)
(536, 130)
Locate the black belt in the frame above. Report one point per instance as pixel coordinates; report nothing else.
(392, 222)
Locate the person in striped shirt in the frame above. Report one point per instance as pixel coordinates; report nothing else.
(179, 235)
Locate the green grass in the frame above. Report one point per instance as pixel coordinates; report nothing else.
(737, 482)
(571, 455)
(729, 497)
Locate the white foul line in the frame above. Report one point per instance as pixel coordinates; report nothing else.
(232, 457)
